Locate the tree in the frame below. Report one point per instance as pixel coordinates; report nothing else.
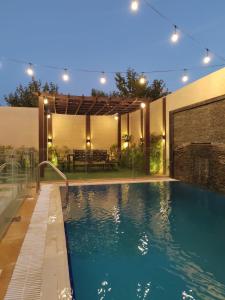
(130, 86)
(24, 95)
(98, 93)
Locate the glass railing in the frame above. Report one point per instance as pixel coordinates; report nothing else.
(17, 177)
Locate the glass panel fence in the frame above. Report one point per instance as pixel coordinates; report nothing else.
(17, 176)
(82, 164)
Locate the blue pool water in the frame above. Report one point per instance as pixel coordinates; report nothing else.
(158, 241)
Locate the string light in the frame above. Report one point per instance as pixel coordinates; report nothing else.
(103, 78)
(65, 75)
(169, 21)
(185, 76)
(175, 36)
(142, 79)
(207, 57)
(30, 70)
(134, 5)
(143, 105)
(45, 101)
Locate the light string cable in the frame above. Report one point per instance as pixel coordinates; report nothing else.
(81, 70)
(189, 35)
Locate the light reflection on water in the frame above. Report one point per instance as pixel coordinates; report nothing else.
(154, 241)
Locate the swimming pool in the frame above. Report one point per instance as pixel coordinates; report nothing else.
(156, 241)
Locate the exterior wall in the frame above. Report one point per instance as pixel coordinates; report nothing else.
(103, 132)
(156, 117)
(135, 126)
(210, 86)
(19, 126)
(124, 125)
(69, 131)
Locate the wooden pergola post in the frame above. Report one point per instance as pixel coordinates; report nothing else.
(88, 132)
(128, 127)
(164, 133)
(147, 138)
(119, 135)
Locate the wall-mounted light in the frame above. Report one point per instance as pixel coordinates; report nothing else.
(143, 105)
(88, 141)
(48, 116)
(116, 117)
(45, 101)
(49, 141)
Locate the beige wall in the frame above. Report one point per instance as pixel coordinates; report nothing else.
(69, 131)
(103, 132)
(124, 124)
(156, 115)
(19, 126)
(135, 126)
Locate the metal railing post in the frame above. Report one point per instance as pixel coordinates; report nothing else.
(58, 172)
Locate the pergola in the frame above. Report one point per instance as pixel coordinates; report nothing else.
(89, 105)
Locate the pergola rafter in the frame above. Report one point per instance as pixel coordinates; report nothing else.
(88, 105)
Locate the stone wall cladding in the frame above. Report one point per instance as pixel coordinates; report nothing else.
(201, 164)
(199, 145)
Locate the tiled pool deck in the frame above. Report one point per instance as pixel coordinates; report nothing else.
(34, 249)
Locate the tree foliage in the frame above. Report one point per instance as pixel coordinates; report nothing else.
(98, 93)
(129, 85)
(24, 95)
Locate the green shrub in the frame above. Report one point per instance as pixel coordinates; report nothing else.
(155, 153)
(133, 157)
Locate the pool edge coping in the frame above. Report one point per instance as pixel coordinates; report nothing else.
(41, 270)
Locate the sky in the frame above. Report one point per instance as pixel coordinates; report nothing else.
(105, 35)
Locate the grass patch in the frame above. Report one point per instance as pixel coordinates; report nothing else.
(51, 175)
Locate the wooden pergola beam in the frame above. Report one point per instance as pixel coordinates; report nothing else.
(63, 104)
(79, 105)
(92, 106)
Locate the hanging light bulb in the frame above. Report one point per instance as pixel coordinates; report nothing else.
(142, 79)
(65, 75)
(134, 5)
(30, 70)
(175, 36)
(185, 76)
(103, 78)
(45, 101)
(207, 57)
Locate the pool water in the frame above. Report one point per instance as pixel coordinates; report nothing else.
(159, 241)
